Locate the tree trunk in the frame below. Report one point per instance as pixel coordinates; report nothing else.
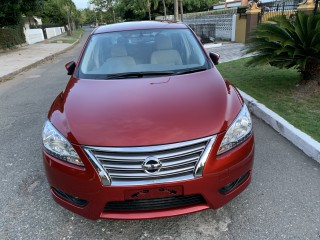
(176, 10)
(164, 9)
(69, 26)
(181, 10)
(29, 20)
(149, 9)
(311, 72)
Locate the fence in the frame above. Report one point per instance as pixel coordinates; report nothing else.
(206, 32)
(278, 8)
(216, 24)
(221, 25)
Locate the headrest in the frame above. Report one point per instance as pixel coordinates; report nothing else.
(118, 51)
(163, 42)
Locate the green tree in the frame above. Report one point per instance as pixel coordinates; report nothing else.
(61, 13)
(197, 5)
(70, 11)
(31, 7)
(10, 13)
(11, 10)
(130, 10)
(105, 10)
(286, 44)
(52, 13)
(89, 16)
(138, 9)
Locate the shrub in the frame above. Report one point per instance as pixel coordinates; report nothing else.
(288, 43)
(10, 37)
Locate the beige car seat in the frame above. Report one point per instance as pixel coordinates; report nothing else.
(119, 60)
(165, 54)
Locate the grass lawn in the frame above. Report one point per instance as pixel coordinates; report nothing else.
(276, 88)
(64, 38)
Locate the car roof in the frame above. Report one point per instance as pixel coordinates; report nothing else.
(125, 26)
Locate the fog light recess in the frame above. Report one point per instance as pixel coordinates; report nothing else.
(228, 188)
(69, 198)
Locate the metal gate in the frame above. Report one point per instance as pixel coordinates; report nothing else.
(206, 32)
(286, 8)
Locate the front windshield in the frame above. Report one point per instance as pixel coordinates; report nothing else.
(142, 51)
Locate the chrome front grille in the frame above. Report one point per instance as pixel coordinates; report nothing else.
(120, 166)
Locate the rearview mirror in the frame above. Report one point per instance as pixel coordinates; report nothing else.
(214, 57)
(70, 66)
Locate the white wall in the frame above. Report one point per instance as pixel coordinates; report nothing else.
(52, 32)
(57, 30)
(34, 35)
(234, 25)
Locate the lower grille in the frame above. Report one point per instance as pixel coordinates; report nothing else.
(155, 203)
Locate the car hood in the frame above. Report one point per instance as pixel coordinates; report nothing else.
(145, 111)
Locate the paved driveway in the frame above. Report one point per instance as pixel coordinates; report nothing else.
(283, 201)
(228, 51)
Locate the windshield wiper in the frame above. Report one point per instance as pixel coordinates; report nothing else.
(191, 70)
(140, 74)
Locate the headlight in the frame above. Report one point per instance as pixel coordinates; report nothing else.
(238, 131)
(57, 146)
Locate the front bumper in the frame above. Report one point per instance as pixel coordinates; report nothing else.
(84, 183)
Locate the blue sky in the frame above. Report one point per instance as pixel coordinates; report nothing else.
(81, 3)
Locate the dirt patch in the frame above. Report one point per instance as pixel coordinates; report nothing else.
(307, 89)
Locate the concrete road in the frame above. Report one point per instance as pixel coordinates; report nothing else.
(282, 202)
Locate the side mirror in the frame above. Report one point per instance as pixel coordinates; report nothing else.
(214, 57)
(70, 66)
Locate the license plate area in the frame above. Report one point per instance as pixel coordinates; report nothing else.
(160, 192)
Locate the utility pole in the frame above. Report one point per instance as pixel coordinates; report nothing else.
(176, 10)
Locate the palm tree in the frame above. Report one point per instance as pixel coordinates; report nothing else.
(145, 5)
(285, 44)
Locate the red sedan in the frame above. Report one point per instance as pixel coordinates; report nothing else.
(146, 127)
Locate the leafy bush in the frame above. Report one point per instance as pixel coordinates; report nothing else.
(43, 26)
(10, 37)
(285, 43)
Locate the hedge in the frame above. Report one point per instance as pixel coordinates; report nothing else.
(43, 26)
(10, 37)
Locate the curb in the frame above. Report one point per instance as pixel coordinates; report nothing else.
(34, 64)
(301, 140)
